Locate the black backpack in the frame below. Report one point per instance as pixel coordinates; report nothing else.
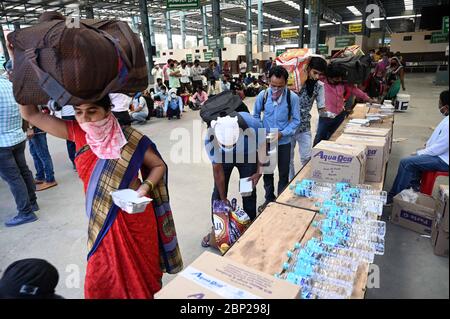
(223, 104)
(357, 68)
(266, 95)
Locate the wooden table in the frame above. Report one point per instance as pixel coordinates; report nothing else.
(289, 220)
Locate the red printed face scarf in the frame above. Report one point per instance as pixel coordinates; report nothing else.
(105, 137)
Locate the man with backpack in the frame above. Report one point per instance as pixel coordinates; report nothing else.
(281, 120)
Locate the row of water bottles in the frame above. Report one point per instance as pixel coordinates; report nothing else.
(362, 196)
(322, 271)
(351, 235)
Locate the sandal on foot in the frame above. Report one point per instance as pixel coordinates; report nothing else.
(205, 241)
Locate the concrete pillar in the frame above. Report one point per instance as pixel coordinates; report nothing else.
(183, 29)
(204, 25)
(341, 28)
(260, 26)
(249, 35)
(216, 27)
(364, 18)
(89, 11)
(151, 25)
(146, 36)
(270, 36)
(301, 27)
(314, 25)
(383, 37)
(169, 31)
(3, 41)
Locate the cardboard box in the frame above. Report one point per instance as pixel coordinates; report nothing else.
(418, 216)
(337, 162)
(215, 277)
(439, 233)
(439, 241)
(371, 131)
(377, 154)
(442, 208)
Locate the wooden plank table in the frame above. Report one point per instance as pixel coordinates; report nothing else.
(264, 245)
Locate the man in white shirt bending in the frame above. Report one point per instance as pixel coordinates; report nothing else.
(433, 158)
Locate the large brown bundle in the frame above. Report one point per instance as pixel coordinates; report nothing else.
(75, 65)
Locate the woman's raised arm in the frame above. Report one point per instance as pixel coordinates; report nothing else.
(45, 122)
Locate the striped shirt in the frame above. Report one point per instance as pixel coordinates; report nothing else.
(11, 132)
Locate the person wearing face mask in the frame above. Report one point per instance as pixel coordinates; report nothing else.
(312, 90)
(395, 78)
(281, 119)
(335, 90)
(434, 157)
(173, 105)
(110, 158)
(235, 142)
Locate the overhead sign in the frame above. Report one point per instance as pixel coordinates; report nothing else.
(189, 58)
(182, 4)
(445, 25)
(355, 28)
(208, 56)
(323, 49)
(287, 34)
(439, 37)
(345, 41)
(214, 44)
(280, 52)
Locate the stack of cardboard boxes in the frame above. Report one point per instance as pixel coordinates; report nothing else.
(358, 156)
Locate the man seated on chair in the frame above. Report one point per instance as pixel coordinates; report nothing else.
(433, 158)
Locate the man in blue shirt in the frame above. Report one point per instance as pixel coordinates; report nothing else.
(13, 165)
(235, 142)
(173, 106)
(281, 119)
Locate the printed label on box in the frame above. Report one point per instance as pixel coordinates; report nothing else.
(416, 218)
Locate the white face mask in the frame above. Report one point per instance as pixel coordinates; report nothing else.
(173, 96)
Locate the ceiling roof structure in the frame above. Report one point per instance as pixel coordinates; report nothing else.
(278, 15)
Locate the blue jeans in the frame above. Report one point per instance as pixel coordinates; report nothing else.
(41, 157)
(304, 141)
(284, 160)
(410, 170)
(71, 148)
(140, 117)
(15, 172)
(327, 127)
(245, 170)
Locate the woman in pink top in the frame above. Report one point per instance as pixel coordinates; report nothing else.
(335, 90)
(198, 99)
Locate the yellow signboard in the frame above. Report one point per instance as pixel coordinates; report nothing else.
(355, 28)
(286, 34)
